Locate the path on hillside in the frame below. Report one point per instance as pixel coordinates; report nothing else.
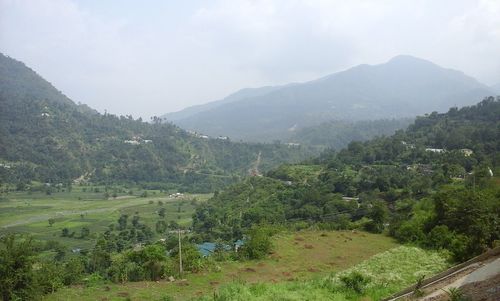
(254, 170)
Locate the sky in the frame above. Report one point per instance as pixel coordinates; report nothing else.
(147, 58)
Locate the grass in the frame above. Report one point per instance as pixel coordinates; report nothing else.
(387, 273)
(23, 212)
(298, 256)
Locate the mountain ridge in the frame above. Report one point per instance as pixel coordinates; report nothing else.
(46, 137)
(404, 86)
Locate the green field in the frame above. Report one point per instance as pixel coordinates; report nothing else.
(297, 256)
(23, 212)
(303, 265)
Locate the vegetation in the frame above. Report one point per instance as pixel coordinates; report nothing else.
(45, 137)
(429, 185)
(372, 279)
(338, 134)
(290, 261)
(94, 200)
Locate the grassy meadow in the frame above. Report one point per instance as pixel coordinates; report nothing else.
(384, 274)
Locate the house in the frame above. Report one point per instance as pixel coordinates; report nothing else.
(133, 142)
(435, 150)
(208, 248)
(467, 152)
(176, 195)
(408, 145)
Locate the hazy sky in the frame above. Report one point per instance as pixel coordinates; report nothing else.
(150, 57)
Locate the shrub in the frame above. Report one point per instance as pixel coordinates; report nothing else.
(355, 281)
(258, 245)
(93, 279)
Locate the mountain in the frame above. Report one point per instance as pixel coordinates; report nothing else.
(239, 95)
(46, 137)
(405, 86)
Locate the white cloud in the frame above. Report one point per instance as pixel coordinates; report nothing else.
(156, 57)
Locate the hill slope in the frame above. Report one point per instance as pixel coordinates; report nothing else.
(44, 136)
(435, 174)
(403, 87)
(338, 134)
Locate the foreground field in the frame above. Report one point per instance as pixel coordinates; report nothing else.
(23, 212)
(298, 256)
(384, 274)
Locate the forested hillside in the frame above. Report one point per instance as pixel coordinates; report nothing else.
(403, 87)
(433, 184)
(46, 137)
(338, 134)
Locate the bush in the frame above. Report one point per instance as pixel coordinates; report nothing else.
(93, 279)
(355, 281)
(16, 268)
(49, 277)
(258, 245)
(440, 237)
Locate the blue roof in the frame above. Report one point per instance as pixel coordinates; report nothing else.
(207, 248)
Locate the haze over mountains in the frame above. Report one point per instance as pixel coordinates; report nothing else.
(496, 88)
(403, 87)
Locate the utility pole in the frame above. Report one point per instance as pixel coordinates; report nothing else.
(180, 253)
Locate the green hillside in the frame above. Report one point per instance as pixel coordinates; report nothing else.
(337, 134)
(46, 137)
(419, 185)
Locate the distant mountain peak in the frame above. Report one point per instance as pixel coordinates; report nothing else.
(404, 86)
(406, 59)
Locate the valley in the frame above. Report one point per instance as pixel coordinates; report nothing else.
(103, 207)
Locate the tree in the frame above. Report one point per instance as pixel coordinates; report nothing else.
(65, 232)
(51, 221)
(378, 215)
(162, 212)
(135, 220)
(161, 227)
(122, 222)
(84, 232)
(258, 245)
(16, 272)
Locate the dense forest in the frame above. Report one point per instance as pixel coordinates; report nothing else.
(45, 137)
(337, 134)
(432, 184)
